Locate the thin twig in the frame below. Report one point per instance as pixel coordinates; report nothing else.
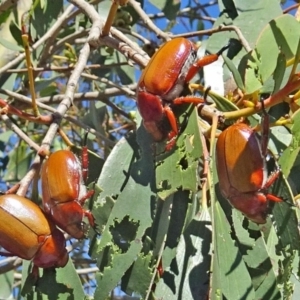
(160, 34)
(68, 96)
(75, 121)
(219, 29)
(111, 92)
(288, 9)
(27, 179)
(67, 68)
(6, 4)
(55, 29)
(120, 42)
(124, 89)
(40, 42)
(19, 132)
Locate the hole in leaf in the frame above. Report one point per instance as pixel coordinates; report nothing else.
(184, 163)
(124, 232)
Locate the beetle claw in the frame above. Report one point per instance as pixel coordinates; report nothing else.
(96, 229)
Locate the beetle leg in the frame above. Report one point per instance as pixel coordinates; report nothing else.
(171, 141)
(9, 109)
(90, 218)
(204, 61)
(188, 99)
(272, 178)
(85, 163)
(88, 195)
(265, 131)
(172, 119)
(265, 135)
(35, 273)
(273, 198)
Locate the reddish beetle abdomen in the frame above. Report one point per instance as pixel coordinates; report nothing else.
(53, 251)
(24, 231)
(240, 163)
(162, 71)
(253, 205)
(61, 178)
(150, 106)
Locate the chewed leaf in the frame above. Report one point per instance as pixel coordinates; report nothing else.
(178, 169)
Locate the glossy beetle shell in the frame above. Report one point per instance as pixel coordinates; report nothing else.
(242, 171)
(163, 80)
(240, 162)
(62, 188)
(27, 233)
(168, 68)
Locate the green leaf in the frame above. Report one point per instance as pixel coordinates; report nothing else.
(280, 138)
(279, 72)
(10, 45)
(19, 163)
(44, 17)
(275, 42)
(6, 284)
(277, 36)
(169, 7)
(236, 75)
(4, 138)
(6, 81)
(230, 274)
(60, 283)
(139, 276)
(223, 104)
(126, 73)
(97, 117)
(250, 18)
(132, 187)
(4, 15)
(295, 280)
(44, 83)
(242, 234)
(134, 15)
(290, 154)
(187, 276)
(177, 169)
(103, 9)
(262, 273)
(286, 218)
(253, 80)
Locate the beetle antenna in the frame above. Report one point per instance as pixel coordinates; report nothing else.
(265, 129)
(285, 200)
(207, 90)
(223, 49)
(289, 203)
(263, 108)
(85, 137)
